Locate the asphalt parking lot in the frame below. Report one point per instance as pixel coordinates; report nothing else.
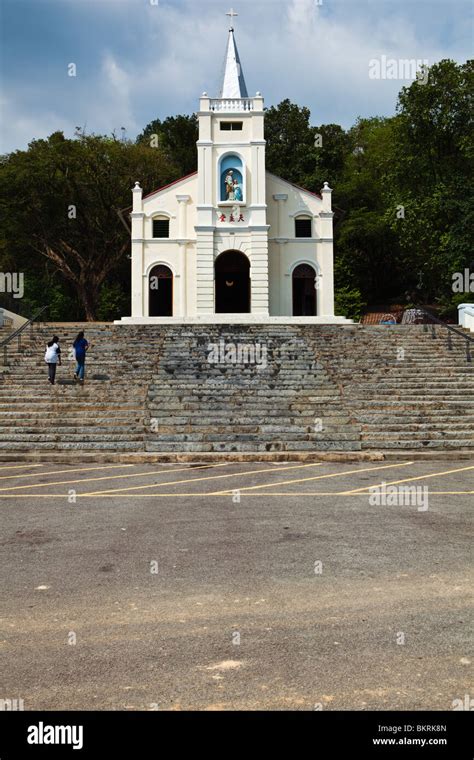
(236, 586)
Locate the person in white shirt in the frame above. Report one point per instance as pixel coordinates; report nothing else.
(52, 358)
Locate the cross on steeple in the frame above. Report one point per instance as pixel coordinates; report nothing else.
(233, 85)
(232, 15)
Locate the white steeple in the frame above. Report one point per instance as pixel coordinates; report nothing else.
(233, 85)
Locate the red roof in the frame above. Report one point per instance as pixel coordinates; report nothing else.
(298, 187)
(376, 317)
(165, 187)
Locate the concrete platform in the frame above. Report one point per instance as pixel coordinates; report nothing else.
(234, 319)
(143, 457)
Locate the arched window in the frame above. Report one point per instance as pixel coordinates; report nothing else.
(232, 180)
(303, 227)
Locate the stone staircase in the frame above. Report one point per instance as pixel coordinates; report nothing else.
(177, 388)
(107, 413)
(402, 384)
(225, 406)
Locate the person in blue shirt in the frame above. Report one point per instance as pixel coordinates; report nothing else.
(80, 346)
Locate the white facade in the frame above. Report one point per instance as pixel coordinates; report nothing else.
(232, 241)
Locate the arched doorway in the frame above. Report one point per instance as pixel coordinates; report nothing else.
(232, 283)
(160, 292)
(304, 291)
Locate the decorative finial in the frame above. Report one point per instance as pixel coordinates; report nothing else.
(204, 94)
(137, 186)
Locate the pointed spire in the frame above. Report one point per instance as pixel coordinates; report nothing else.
(233, 85)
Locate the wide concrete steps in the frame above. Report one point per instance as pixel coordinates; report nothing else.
(409, 444)
(253, 446)
(80, 434)
(108, 446)
(411, 427)
(243, 406)
(324, 388)
(418, 399)
(413, 435)
(106, 413)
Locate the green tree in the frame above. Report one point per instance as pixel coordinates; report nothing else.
(332, 150)
(365, 244)
(290, 149)
(176, 136)
(348, 302)
(432, 176)
(304, 154)
(59, 202)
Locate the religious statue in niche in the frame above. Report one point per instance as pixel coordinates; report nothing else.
(232, 186)
(237, 191)
(229, 185)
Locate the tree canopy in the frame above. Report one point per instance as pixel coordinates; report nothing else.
(59, 202)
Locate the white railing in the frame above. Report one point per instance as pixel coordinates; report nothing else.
(232, 105)
(466, 315)
(4, 320)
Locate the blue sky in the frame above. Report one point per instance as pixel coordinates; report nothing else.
(141, 59)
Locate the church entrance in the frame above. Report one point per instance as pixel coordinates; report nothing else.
(304, 291)
(232, 283)
(160, 293)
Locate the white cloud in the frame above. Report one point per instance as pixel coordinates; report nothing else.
(316, 56)
(114, 109)
(18, 127)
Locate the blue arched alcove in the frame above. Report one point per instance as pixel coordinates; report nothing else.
(231, 179)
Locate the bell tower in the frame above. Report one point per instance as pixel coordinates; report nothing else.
(231, 204)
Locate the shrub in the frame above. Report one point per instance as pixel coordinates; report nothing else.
(349, 303)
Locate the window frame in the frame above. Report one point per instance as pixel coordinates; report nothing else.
(231, 126)
(307, 219)
(162, 219)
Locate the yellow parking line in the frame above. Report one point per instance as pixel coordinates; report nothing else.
(61, 472)
(193, 480)
(20, 467)
(107, 477)
(407, 480)
(105, 495)
(317, 477)
(320, 493)
(334, 493)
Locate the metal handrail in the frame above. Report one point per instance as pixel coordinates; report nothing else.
(19, 332)
(450, 329)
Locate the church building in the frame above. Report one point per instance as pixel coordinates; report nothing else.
(232, 242)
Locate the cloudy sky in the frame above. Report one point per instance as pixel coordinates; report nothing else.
(141, 59)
